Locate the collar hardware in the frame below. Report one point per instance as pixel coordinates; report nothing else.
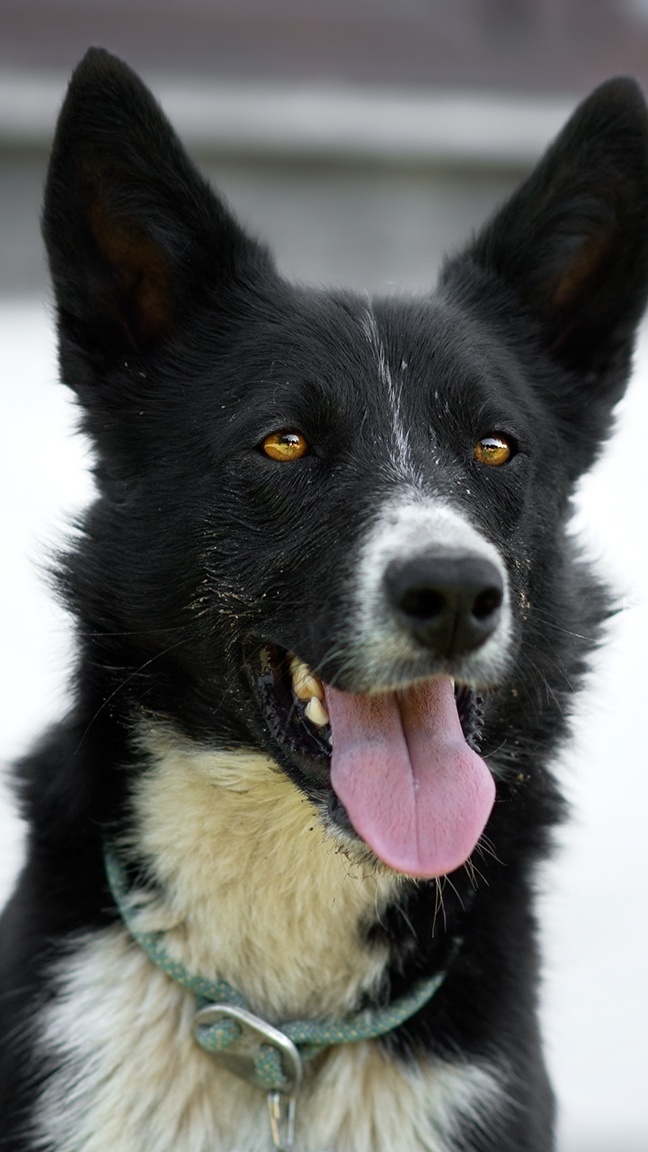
(249, 1047)
(281, 1111)
(258, 1053)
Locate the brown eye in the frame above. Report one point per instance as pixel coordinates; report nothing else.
(285, 445)
(493, 450)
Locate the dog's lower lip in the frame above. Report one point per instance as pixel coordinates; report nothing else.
(298, 726)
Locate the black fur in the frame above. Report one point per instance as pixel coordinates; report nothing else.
(185, 348)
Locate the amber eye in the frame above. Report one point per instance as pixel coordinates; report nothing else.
(285, 445)
(493, 450)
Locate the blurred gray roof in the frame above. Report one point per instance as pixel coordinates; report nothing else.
(541, 46)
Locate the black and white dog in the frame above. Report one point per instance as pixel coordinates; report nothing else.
(329, 626)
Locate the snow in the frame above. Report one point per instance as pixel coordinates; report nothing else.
(595, 912)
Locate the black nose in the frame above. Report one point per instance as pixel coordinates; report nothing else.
(450, 604)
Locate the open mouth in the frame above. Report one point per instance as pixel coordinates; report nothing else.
(292, 701)
(401, 768)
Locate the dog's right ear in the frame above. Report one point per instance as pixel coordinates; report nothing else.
(134, 234)
(564, 263)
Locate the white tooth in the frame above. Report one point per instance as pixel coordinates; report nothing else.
(305, 685)
(316, 713)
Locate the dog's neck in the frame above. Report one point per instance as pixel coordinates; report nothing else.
(252, 888)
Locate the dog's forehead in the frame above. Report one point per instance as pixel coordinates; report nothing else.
(385, 352)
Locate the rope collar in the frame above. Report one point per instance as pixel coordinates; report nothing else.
(269, 1057)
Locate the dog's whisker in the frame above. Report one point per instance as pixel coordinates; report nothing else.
(120, 687)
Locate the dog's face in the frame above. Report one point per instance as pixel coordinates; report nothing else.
(324, 522)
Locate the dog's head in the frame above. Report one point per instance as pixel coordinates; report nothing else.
(329, 528)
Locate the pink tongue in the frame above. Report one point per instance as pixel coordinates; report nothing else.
(414, 790)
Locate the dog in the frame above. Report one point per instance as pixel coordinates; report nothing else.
(279, 889)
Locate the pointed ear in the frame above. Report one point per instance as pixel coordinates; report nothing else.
(133, 232)
(572, 242)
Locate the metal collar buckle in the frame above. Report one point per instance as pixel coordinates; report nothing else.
(245, 1054)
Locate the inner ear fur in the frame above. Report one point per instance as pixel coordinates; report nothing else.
(138, 290)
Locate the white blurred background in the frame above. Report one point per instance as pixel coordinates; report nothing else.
(361, 140)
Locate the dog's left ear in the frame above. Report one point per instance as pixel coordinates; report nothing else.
(571, 247)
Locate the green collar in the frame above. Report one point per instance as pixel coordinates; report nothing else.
(269, 1057)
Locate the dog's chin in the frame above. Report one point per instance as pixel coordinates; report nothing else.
(295, 729)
